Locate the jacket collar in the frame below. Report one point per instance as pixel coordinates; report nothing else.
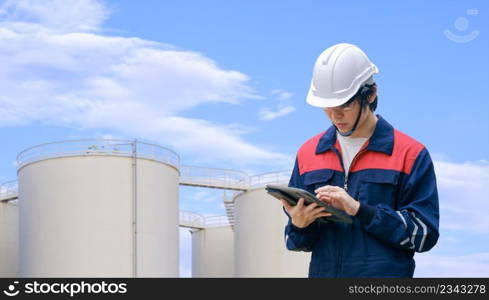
(382, 140)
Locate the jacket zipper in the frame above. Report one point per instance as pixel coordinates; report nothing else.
(345, 186)
(340, 247)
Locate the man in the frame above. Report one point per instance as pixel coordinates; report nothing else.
(379, 176)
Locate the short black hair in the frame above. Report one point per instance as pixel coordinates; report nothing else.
(362, 95)
(364, 92)
(373, 105)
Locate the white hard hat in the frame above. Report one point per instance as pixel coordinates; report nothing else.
(338, 74)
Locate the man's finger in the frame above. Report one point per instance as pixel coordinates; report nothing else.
(324, 214)
(329, 195)
(300, 203)
(317, 210)
(324, 199)
(328, 188)
(324, 188)
(286, 204)
(323, 195)
(311, 207)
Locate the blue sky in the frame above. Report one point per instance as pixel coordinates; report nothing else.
(224, 82)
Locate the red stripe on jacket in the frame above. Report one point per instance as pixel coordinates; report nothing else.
(309, 161)
(404, 154)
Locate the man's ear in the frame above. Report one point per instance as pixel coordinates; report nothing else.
(372, 95)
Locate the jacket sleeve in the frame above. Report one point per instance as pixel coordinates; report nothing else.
(299, 239)
(414, 225)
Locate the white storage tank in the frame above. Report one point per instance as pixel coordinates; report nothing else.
(259, 233)
(98, 208)
(213, 252)
(9, 232)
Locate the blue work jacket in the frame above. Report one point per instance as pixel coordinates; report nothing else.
(393, 178)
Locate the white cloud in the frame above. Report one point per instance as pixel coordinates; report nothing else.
(281, 94)
(68, 75)
(472, 265)
(463, 222)
(282, 109)
(463, 196)
(58, 15)
(266, 114)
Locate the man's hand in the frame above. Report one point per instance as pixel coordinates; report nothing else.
(302, 215)
(339, 198)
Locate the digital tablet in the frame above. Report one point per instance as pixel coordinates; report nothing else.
(292, 195)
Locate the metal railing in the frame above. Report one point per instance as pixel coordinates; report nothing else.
(193, 220)
(260, 180)
(9, 190)
(214, 178)
(86, 147)
(216, 221)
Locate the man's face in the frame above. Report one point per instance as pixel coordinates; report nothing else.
(344, 116)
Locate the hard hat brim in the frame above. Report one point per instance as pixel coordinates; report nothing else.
(325, 103)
